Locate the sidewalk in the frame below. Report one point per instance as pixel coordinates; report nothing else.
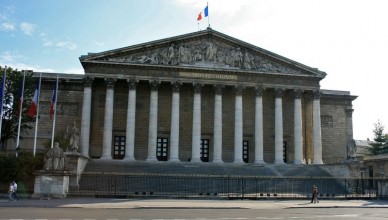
(100, 203)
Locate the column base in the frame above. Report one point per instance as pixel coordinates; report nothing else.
(279, 162)
(196, 160)
(151, 159)
(259, 162)
(239, 161)
(298, 162)
(217, 161)
(106, 157)
(318, 162)
(129, 159)
(174, 160)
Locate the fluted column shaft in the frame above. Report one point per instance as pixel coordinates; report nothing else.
(153, 122)
(278, 127)
(217, 153)
(317, 128)
(238, 126)
(108, 121)
(196, 135)
(131, 121)
(298, 136)
(174, 136)
(85, 121)
(259, 146)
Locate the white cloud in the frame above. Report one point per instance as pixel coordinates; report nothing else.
(66, 44)
(27, 28)
(8, 57)
(6, 26)
(99, 43)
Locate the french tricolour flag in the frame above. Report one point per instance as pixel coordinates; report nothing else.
(34, 104)
(53, 100)
(205, 13)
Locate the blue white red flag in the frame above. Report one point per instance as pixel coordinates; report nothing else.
(34, 104)
(205, 13)
(53, 100)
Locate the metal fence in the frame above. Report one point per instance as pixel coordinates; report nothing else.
(221, 187)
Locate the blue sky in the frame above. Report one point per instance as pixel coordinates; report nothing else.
(347, 39)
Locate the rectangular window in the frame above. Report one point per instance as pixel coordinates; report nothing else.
(204, 150)
(119, 147)
(162, 149)
(245, 152)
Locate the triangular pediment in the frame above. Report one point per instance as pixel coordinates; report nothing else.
(204, 49)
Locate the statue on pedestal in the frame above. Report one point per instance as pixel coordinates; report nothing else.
(54, 158)
(73, 135)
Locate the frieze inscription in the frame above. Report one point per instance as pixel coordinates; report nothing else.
(208, 76)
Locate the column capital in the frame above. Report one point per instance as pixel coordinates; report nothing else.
(154, 85)
(316, 94)
(239, 89)
(88, 81)
(197, 87)
(110, 83)
(259, 90)
(218, 89)
(279, 92)
(176, 86)
(132, 84)
(298, 93)
(349, 111)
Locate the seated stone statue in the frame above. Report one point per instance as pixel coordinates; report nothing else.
(54, 159)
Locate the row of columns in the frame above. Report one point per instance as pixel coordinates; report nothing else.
(196, 131)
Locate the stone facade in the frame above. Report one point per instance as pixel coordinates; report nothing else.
(225, 101)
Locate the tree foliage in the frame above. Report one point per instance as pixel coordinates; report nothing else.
(13, 85)
(379, 145)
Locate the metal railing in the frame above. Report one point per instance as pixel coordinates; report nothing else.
(221, 187)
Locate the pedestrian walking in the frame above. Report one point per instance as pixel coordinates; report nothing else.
(314, 197)
(10, 192)
(15, 188)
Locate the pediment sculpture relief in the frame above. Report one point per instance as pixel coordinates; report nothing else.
(205, 54)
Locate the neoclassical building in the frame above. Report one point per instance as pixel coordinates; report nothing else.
(203, 97)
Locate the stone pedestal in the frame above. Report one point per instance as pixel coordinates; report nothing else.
(75, 164)
(56, 183)
(51, 184)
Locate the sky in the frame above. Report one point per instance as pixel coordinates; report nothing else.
(347, 39)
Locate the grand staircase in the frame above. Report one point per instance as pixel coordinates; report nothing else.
(117, 178)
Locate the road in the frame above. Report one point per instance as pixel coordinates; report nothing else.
(192, 214)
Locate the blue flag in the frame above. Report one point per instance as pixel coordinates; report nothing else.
(206, 11)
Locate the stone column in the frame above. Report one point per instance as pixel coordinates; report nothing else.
(108, 120)
(196, 136)
(317, 140)
(351, 144)
(131, 119)
(85, 121)
(298, 135)
(217, 153)
(174, 136)
(238, 126)
(278, 126)
(259, 155)
(153, 122)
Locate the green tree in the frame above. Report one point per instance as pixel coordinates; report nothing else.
(379, 145)
(13, 85)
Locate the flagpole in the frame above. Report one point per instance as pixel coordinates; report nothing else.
(20, 113)
(37, 115)
(208, 14)
(55, 113)
(2, 100)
